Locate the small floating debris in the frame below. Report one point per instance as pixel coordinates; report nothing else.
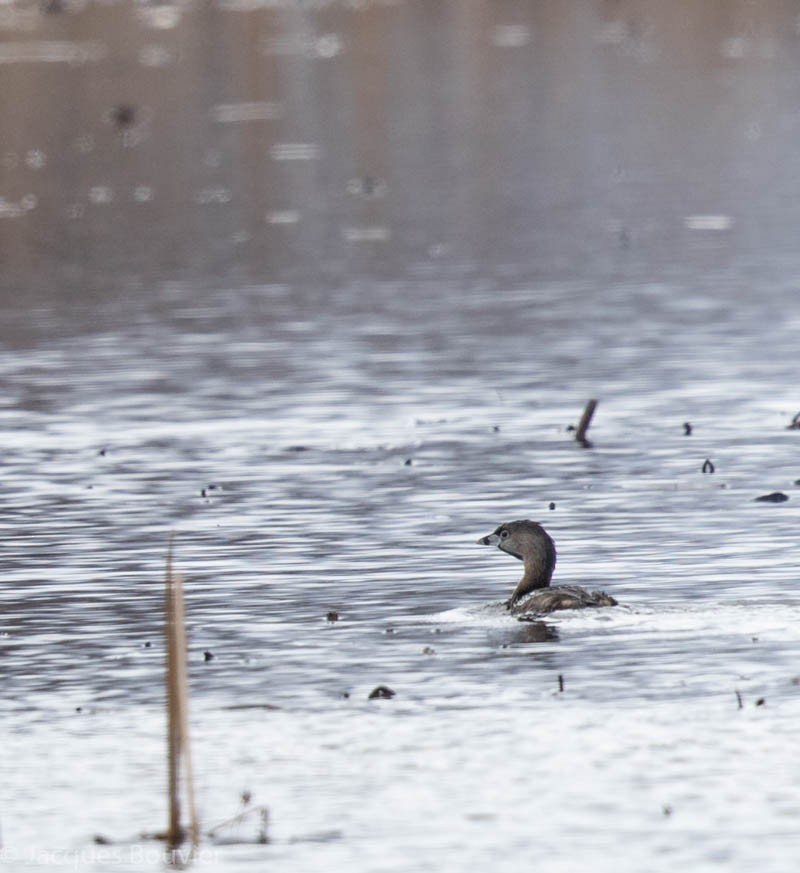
(761, 701)
(739, 700)
(795, 423)
(666, 810)
(773, 497)
(687, 428)
(332, 615)
(552, 505)
(429, 650)
(102, 453)
(229, 832)
(208, 656)
(560, 682)
(381, 692)
(408, 462)
(707, 467)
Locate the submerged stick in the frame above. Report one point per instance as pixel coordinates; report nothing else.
(583, 425)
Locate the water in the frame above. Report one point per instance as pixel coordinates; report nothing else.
(319, 288)
(297, 413)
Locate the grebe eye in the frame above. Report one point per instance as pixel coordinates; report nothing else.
(503, 534)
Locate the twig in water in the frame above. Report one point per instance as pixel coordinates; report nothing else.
(583, 425)
(260, 812)
(560, 682)
(739, 700)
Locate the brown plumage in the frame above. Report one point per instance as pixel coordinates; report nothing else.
(530, 543)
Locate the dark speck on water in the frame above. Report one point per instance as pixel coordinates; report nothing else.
(773, 497)
(381, 692)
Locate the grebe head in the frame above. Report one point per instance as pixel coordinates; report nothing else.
(530, 543)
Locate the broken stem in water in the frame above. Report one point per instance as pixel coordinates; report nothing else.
(583, 425)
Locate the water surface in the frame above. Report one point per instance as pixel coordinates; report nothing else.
(319, 289)
(343, 452)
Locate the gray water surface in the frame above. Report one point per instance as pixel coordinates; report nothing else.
(297, 414)
(318, 288)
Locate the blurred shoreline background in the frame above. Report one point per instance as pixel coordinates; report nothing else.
(320, 142)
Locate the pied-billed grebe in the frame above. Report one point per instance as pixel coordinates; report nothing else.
(531, 544)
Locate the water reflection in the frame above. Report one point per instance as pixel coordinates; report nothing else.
(324, 141)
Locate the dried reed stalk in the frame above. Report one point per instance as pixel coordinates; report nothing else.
(177, 710)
